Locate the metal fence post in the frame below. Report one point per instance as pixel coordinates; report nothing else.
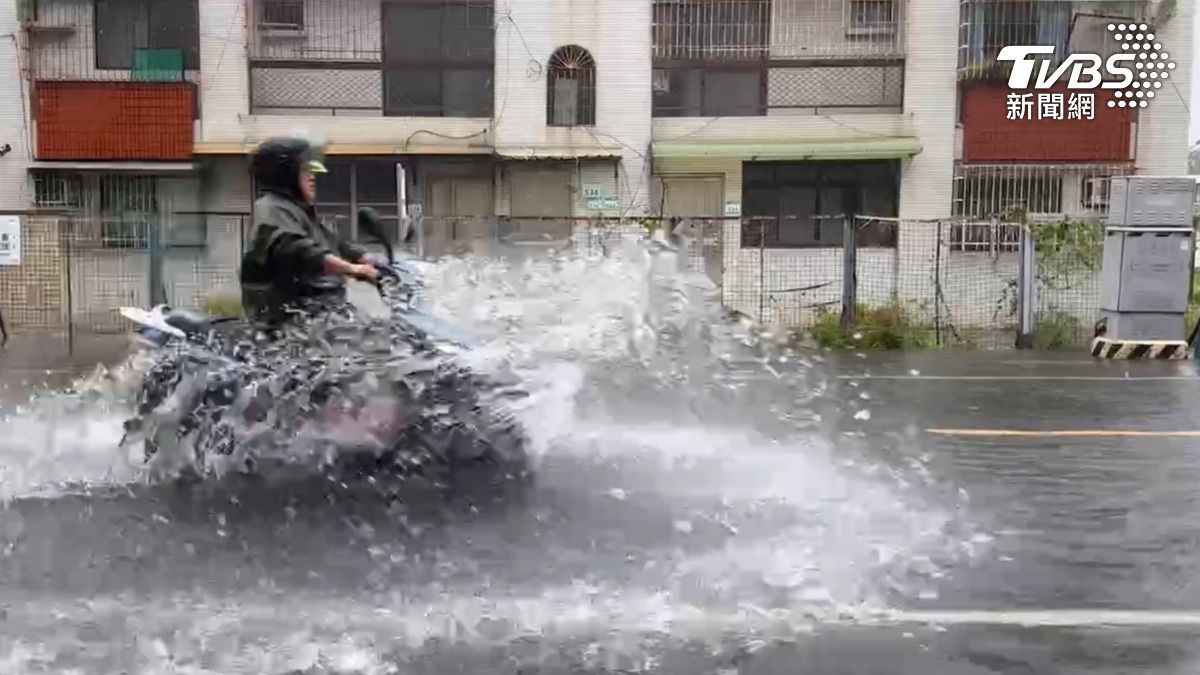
(156, 241)
(1026, 285)
(66, 231)
(849, 274)
(762, 271)
(937, 286)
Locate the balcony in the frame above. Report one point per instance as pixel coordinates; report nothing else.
(113, 80)
(1070, 26)
(749, 58)
(427, 58)
(1058, 125)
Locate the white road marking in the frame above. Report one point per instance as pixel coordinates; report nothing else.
(1046, 617)
(1059, 378)
(1076, 433)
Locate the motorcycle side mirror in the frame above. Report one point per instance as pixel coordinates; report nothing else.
(370, 223)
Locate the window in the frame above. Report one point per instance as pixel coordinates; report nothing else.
(147, 34)
(728, 91)
(710, 58)
(352, 184)
(57, 191)
(988, 196)
(870, 17)
(805, 205)
(285, 14)
(121, 211)
(711, 30)
(1095, 192)
(1009, 22)
(989, 193)
(571, 88)
(438, 60)
(128, 208)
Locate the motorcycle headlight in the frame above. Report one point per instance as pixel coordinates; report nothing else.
(152, 337)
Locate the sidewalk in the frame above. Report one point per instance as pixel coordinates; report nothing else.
(34, 361)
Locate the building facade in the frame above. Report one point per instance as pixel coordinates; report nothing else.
(780, 118)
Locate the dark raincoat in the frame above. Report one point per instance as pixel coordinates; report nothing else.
(283, 269)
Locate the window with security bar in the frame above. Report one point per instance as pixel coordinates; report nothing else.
(710, 57)
(750, 58)
(283, 14)
(117, 211)
(410, 58)
(153, 36)
(871, 18)
(438, 59)
(1070, 26)
(571, 88)
(990, 200)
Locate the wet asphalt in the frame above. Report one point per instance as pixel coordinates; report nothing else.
(1092, 566)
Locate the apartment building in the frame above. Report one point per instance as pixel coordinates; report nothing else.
(780, 116)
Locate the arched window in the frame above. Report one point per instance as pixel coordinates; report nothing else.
(571, 88)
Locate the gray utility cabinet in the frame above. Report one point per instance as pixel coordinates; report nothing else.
(1143, 325)
(1148, 257)
(1146, 271)
(1151, 201)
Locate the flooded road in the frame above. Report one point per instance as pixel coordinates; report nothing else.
(781, 517)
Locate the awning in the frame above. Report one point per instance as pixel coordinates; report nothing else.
(116, 167)
(353, 149)
(530, 152)
(866, 148)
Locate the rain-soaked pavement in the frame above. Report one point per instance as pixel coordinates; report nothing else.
(888, 539)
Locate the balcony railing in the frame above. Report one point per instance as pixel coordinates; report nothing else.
(428, 58)
(1070, 26)
(738, 30)
(132, 40)
(113, 80)
(776, 57)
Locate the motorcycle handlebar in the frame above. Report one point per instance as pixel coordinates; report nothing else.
(398, 273)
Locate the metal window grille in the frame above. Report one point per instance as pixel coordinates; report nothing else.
(571, 88)
(991, 198)
(287, 14)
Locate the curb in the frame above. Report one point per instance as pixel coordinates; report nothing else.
(1106, 348)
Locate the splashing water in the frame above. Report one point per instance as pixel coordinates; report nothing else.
(692, 484)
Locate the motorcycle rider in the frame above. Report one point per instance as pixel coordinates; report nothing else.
(293, 262)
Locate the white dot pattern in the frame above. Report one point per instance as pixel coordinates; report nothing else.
(1150, 62)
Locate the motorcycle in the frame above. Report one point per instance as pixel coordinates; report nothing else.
(219, 384)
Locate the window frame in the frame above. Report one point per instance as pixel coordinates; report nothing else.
(191, 53)
(751, 56)
(762, 231)
(584, 94)
(292, 5)
(440, 65)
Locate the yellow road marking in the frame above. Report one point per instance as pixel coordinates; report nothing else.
(1064, 433)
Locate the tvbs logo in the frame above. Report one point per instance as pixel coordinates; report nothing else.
(1140, 67)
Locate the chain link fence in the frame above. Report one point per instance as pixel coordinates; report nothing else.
(75, 272)
(883, 281)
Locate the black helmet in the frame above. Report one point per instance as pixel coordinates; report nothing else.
(276, 163)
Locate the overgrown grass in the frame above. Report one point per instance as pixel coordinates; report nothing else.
(1058, 331)
(221, 306)
(1193, 310)
(878, 328)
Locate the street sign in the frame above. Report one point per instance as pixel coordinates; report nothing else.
(10, 240)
